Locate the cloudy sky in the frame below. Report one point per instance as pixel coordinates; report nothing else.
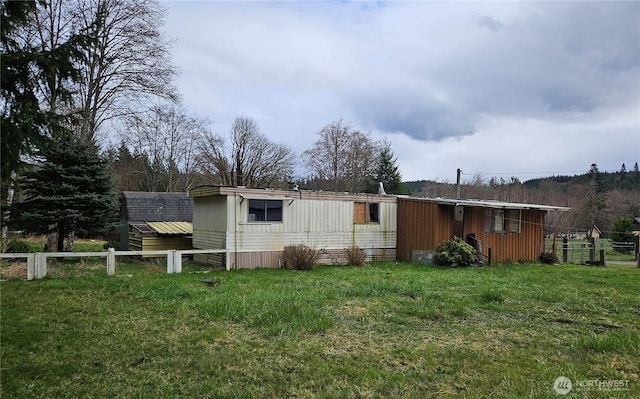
(494, 88)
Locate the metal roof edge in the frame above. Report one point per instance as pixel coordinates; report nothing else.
(490, 204)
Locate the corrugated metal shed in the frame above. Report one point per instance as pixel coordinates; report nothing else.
(138, 208)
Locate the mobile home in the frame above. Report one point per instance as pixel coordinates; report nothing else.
(256, 224)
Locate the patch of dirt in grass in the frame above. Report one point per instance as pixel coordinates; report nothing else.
(14, 271)
(352, 310)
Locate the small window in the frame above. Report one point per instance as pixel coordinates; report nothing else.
(265, 210)
(374, 212)
(500, 220)
(513, 220)
(366, 212)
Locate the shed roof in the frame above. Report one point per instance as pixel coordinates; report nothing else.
(490, 204)
(156, 207)
(171, 227)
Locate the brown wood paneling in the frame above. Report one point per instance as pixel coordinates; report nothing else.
(524, 246)
(423, 225)
(359, 212)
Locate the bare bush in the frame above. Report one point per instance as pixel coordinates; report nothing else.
(300, 257)
(355, 256)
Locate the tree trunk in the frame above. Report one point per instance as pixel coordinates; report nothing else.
(60, 237)
(70, 239)
(5, 229)
(52, 242)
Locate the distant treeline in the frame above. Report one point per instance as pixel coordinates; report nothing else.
(595, 198)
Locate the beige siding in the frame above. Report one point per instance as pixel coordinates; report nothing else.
(320, 220)
(209, 222)
(321, 224)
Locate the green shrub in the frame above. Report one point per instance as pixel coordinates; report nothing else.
(300, 257)
(355, 256)
(548, 258)
(112, 244)
(16, 246)
(455, 253)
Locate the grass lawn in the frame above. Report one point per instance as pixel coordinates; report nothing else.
(383, 331)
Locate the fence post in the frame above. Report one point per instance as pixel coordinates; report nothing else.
(41, 265)
(170, 256)
(111, 262)
(602, 261)
(177, 262)
(31, 266)
(488, 256)
(565, 249)
(592, 249)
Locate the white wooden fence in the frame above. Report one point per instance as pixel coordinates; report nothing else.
(37, 262)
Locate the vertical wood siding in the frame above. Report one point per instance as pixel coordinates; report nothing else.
(423, 225)
(526, 245)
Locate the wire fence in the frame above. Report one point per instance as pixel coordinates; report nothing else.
(584, 251)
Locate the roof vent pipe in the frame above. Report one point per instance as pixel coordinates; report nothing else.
(459, 172)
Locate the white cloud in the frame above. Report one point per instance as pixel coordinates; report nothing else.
(500, 87)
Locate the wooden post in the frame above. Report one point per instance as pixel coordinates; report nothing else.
(488, 256)
(111, 262)
(565, 249)
(31, 266)
(592, 249)
(602, 261)
(41, 265)
(170, 256)
(177, 262)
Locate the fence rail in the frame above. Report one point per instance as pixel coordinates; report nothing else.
(37, 262)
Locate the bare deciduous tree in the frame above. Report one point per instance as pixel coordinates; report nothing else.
(247, 158)
(123, 59)
(166, 138)
(342, 159)
(127, 60)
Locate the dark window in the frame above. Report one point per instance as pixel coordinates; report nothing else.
(374, 212)
(265, 210)
(366, 212)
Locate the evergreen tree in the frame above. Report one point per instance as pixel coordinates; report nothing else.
(594, 206)
(27, 117)
(387, 172)
(69, 191)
